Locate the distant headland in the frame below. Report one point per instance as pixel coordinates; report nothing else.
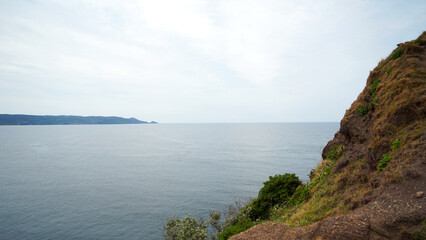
(21, 119)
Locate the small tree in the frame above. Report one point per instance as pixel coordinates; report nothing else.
(236, 212)
(277, 190)
(215, 221)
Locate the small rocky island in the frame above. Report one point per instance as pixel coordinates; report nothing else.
(21, 119)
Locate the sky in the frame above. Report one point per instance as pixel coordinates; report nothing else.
(197, 61)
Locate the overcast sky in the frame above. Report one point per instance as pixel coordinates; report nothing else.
(196, 61)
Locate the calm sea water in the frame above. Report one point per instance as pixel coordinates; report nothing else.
(124, 181)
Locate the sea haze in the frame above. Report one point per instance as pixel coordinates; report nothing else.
(124, 181)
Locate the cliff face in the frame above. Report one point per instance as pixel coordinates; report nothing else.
(391, 106)
(371, 182)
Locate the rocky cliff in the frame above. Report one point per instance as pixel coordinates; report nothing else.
(371, 182)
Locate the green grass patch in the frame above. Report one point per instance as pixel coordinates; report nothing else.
(316, 209)
(335, 153)
(389, 71)
(300, 195)
(383, 162)
(236, 228)
(362, 111)
(374, 87)
(395, 144)
(397, 54)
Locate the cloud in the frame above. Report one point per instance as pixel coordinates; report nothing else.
(196, 61)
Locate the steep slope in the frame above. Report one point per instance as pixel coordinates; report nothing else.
(371, 182)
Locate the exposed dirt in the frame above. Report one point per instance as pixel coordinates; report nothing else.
(395, 99)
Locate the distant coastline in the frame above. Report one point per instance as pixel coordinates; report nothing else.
(22, 119)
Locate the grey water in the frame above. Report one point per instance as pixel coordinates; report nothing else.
(124, 181)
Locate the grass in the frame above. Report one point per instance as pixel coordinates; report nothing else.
(372, 105)
(395, 144)
(335, 153)
(315, 210)
(419, 234)
(362, 111)
(383, 162)
(324, 194)
(329, 194)
(232, 230)
(397, 54)
(374, 87)
(419, 72)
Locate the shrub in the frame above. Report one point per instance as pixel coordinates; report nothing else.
(383, 162)
(187, 228)
(374, 87)
(236, 228)
(215, 222)
(397, 54)
(233, 224)
(362, 111)
(240, 209)
(389, 71)
(395, 144)
(277, 190)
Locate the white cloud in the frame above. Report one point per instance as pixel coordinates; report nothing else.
(192, 61)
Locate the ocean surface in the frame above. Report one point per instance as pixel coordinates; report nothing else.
(124, 181)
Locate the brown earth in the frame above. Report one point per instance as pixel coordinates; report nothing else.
(391, 108)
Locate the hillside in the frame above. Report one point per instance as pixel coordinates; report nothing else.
(20, 119)
(371, 181)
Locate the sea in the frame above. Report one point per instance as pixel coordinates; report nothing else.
(126, 181)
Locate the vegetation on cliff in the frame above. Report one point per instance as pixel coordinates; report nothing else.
(240, 216)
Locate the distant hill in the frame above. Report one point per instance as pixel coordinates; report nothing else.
(20, 119)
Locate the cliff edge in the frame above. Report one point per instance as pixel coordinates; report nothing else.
(371, 182)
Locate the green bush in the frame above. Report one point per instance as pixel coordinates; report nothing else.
(383, 162)
(277, 190)
(362, 111)
(187, 228)
(397, 54)
(389, 71)
(236, 228)
(395, 144)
